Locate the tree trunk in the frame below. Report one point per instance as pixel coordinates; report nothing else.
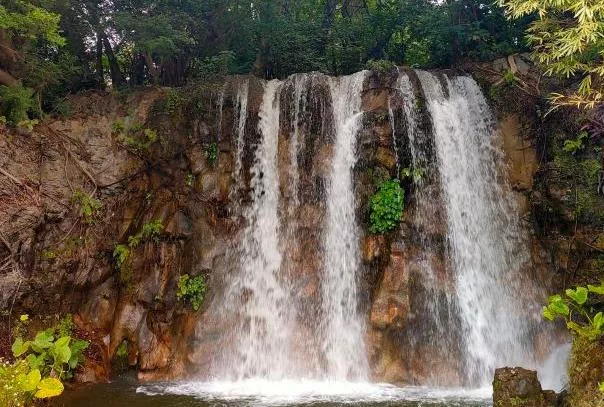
(329, 14)
(153, 72)
(117, 78)
(100, 74)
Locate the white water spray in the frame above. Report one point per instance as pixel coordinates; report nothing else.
(264, 337)
(486, 247)
(344, 327)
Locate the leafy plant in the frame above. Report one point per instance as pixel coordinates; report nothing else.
(120, 254)
(567, 41)
(15, 103)
(212, 153)
(573, 146)
(189, 180)
(509, 77)
(381, 65)
(28, 124)
(192, 289)
(150, 230)
(133, 135)
(20, 384)
(386, 206)
(415, 174)
(89, 205)
(574, 310)
(58, 356)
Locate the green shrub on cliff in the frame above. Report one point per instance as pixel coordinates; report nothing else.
(192, 289)
(89, 205)
(573, 308)
(386, 206)
(578, 308)
(40, 365)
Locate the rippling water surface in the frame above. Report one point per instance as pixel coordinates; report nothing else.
(265, 393)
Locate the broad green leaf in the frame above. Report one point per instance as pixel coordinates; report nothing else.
(558, 306)
(548, 314)
(19, 347)
(579, 295)
(30, 381)
(597, 289)
(601, 386)
(61, 351)
(35, 362)
(49, 387)
(43, 340)
(598, 321)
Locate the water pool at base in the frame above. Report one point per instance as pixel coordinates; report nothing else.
(267, 393)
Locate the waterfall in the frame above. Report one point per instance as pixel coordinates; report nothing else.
(241, 108)
(343, 326)
(264, 337)
(485, 241)
(438, 315)
(292, 306)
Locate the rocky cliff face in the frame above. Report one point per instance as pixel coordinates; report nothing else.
(149, 157)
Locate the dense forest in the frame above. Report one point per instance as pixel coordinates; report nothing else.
(53, 48)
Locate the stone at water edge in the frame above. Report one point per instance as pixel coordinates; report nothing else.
(518, 387)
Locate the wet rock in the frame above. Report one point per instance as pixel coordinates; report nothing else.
(386, 157)
(198, 161)
(207, 186)
(518, 387)
(391, 304)
(374, 247)
(91, 372)
(501, 65)
(180, 225)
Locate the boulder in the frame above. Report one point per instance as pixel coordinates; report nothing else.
(518, 387)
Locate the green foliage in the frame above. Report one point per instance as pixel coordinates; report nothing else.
(567, 41)
(415, 174)
(60, 355)
(213, 68)
(121, 254)
(212, 153)
(26, 21)
(573, 308)
(509, 78)
(189, 180)
(134, 136)
(573, 146)
(90, 207)
(174, 102)
(65, 326)
(150, 231)
(20, 384)
(381, 65)
(191, 289)
(574, 170)
(15, 103)
(386, 207)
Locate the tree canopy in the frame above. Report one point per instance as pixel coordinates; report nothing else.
(53, 47)
(568, 40)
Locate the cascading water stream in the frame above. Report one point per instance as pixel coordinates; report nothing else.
(487, 250)
(343, 326)
(264, 338)
(292, 297)
(241, 108)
